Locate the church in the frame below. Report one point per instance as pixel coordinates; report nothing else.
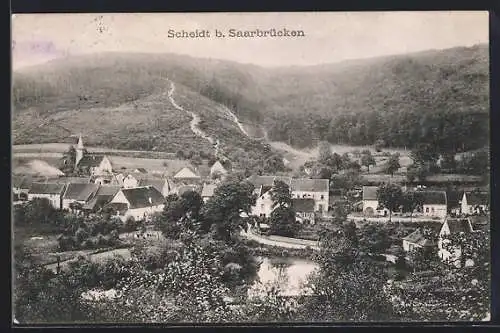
(92, 164)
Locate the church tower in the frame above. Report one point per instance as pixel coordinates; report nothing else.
(79, 151)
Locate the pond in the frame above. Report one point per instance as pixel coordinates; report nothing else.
(287, 273)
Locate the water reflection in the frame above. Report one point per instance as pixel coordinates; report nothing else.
(286, 274)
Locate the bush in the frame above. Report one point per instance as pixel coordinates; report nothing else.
(131, 224)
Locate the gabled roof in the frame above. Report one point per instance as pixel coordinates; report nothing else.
(303, 205)
(458, 225)
(217, 166)
(46, 188)
(370, 192)
(434, 197)
(141, 170)
(91, 160)
(155, 182)
(310, 185)
(477, 198)
(107, 190)
(80, 192)
(67, 180)
(417, 237)
(186, 173)
(141, 197)
(22, 182)
(208, 190)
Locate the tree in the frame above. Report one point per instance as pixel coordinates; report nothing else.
(367, 159)
(223, 210)
(373, 239)
(281, 195)
(393, 164)
(324, 152)
(379, 144)
(282, 222)
(274, 163)
(425, 155)
(390, 196)
(411, 200)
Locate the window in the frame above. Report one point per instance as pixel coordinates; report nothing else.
(322, 197)
(432, 209)
(427, 209)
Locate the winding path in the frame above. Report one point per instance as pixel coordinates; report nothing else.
(284, 242)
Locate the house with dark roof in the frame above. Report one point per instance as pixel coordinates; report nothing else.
(94, 165)
(51, 191)
(78, 193)
(474, 202)
(263, 185)
(371, 205)
(137, 202)
(417, 239)
(208, 191)
(435, 204)
(103, 196)
(452, 227)
(68, 180)
(316, 189)
(21, 186)
(304, 210)
(161, 184)
(480, 222)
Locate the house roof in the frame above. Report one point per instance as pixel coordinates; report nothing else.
(480, 222)
(46, 188)
(434, 198)
(104, 194)
(477, 198)
(141, 197)
(208, 190)
(91, 160)
(141, 170)
(107, 190)
(370, 192)
(186, 173)
(310, 185)
(458, 225)
(23, 182)
(217, 166)
(80, 192)
(417, 237)
(155, 182)
(303, 205)
(67, 180)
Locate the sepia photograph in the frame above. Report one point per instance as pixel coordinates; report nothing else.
(295, 167)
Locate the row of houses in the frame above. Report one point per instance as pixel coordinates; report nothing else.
(434, 203)
(438, 236)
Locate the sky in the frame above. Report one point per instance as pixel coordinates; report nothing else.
(329, 37)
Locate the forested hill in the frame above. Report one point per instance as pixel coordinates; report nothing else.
(439, 97)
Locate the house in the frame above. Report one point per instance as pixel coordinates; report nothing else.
(304, 210)
(451, 227)
(103, 196)
(51, 191)
(138, 202)
(218, 169)
(264, 205)
(78, 193)
(162, 185)
(474, 202)
(95, 165)
(68, 180)
(140, 170)
(480, 222)
(21, 186)
(186, 176)
(370, 202)
(417, 239)
(208, 191)
(131, 181)
(316, 189)
(435, 204)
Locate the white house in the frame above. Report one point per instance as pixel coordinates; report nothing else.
(186, 175)
(416, 240)
(218, 169)
(263, 185)
(370, 202)
(130, 181)
(138, 202)
(474, 202)
(78, 193)
(316, 189)
(21, 186)
(95, 165)
(451, 227)
(52, 192)
(208, 191)
(435, 204)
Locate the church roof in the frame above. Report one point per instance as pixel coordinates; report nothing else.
(91, 160)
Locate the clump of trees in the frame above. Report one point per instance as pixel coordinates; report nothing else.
(282, 219)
